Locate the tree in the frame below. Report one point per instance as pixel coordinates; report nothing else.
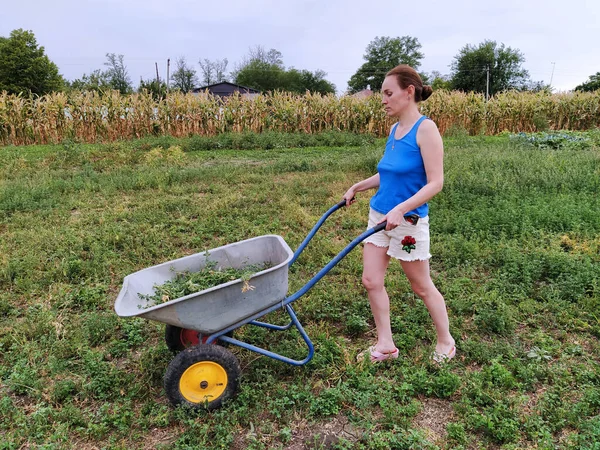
(316, 82)
(213, 71)
(439, 81)
(536, 86)
(300, 81)
(261, 69)
(259, 54)
(117, 73)
(382, 55)
(115, 77)
(593, 84)
(262, 76)
(153, 87)
(470, 68)
(264, 70)
(184, 78)
(96, 81)
(24, 67)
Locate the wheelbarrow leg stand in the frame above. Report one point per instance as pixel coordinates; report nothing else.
(276, 327)
(294, 321)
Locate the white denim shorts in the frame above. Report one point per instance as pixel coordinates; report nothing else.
(398, 241)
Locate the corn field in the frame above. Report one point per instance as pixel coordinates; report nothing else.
(91, 117)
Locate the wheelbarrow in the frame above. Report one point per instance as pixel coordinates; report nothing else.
(203, 375)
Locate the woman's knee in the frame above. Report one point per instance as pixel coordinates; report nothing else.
(372, 281)
(422, 289)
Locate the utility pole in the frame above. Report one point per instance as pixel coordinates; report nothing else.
(487, 84)
(168, 64)
(552, 76)
(157, 78)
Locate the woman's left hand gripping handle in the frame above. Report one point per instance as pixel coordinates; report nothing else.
(347, 201)
(349, 197)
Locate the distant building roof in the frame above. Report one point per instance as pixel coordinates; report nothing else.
(225, 88)
(365, 93)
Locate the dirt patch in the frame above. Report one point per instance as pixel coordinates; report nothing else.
(339, 240)
(324, 435)
(433, 418)
(82, 445)
(590, 346)
(308, 436)
(156, 438)
(529, 406)
(160, 437)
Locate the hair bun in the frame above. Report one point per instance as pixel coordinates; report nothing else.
(427, 91)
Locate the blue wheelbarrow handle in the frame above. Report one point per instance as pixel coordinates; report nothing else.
(334, 261)
(376, 228)
(314, 230)
(343, 203)
(379, 226)
(287, 301)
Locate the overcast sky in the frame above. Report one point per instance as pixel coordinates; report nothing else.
(331, 35)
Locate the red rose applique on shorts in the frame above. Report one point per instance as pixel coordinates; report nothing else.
(408, 243)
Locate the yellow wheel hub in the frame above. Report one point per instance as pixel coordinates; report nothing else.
(203, 382)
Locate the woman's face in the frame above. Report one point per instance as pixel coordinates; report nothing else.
(394, 98)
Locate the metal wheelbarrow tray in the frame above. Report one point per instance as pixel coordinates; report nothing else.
(218, 307)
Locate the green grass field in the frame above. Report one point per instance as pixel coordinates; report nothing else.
(516, 245)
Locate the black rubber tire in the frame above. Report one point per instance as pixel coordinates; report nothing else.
(175, 342)
(199, 354)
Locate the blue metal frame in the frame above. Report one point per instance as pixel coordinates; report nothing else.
(285, 303)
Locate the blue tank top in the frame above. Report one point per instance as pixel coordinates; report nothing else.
(401, 173)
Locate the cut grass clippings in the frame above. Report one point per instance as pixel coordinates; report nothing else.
(186, 283)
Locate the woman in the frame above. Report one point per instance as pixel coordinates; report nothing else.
(409, 175)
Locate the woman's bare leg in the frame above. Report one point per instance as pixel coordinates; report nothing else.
(375, 264)
(419, 276)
